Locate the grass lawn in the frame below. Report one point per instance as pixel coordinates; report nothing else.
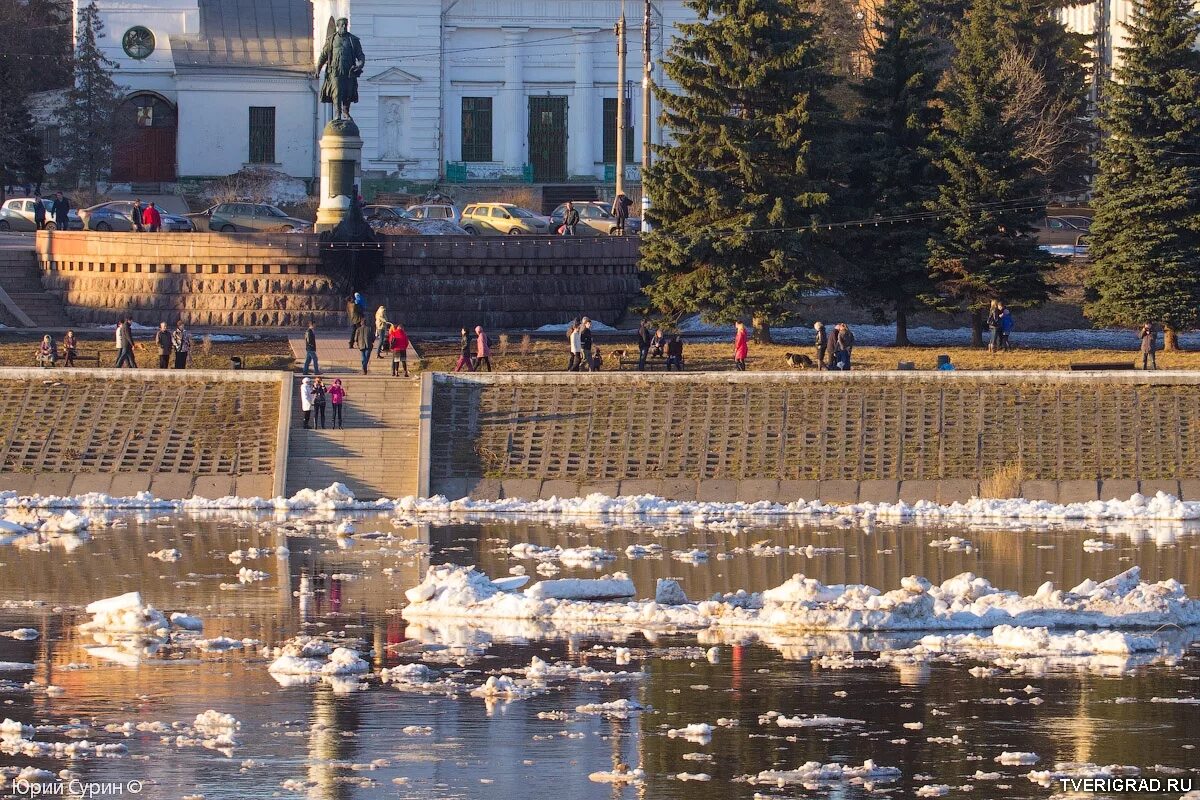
(259, 352)
(551, 354)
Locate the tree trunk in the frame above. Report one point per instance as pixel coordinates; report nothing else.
(762, 330)
(977, 328)
(1170, 339)
(902, 329)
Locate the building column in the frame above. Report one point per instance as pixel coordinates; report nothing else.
(516, 112)
(581, 115)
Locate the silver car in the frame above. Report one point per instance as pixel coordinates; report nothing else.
(117, 215)
(426, 211)
(17, 215)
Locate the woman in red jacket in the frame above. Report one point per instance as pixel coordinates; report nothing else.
(741, 346)
(398, 342)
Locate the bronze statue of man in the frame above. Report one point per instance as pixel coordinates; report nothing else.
(343, 54)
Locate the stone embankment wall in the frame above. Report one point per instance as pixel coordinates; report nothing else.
(277, 280)
(1062, 437)
(176, 434)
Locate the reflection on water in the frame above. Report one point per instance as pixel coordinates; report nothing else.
(313, 741)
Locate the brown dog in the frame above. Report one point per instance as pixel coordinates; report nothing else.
(617, 357)
(799, 360)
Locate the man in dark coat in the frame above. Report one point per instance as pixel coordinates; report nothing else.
(822, 344)
(620, 210)
(645, 337)
(344, 55)
(163, 339)
(39, 212)
(62, 211)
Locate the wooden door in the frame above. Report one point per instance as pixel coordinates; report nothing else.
(548, 138)
(144, 149)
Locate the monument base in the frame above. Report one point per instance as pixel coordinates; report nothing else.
(341, 172)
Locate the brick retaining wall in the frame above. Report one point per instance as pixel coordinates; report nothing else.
(844, 438)
(276, 280)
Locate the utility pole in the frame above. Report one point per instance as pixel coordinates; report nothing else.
(622, 126)
(647, 91)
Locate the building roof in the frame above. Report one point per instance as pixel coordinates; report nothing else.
(270, 34)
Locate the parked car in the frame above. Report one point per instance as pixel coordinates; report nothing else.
(17, 215)
(385, 214)
(117, 215)
(1062, 230)
(594, 219)
(436, 211)
(249, 217)
(502, 219)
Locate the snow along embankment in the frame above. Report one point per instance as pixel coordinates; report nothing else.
(337, 497)
(964, 602)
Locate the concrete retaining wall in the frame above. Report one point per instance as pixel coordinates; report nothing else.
(276, 280)
(176, 434)
(878, 437)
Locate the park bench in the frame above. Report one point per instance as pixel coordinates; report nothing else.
(92, 356)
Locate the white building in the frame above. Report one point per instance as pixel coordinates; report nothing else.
(468, 89)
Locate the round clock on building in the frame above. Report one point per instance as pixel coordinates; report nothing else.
(138, 42)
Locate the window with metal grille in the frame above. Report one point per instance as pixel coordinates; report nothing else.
(610, 131)
(262, 134)
(477, 129)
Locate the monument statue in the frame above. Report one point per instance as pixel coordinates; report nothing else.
(343, 60)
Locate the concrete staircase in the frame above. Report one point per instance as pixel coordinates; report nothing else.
(376, 455)
(21, 279)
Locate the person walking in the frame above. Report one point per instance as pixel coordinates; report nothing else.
(124, 346)
(70, 349)
(337, 394)
(356, 311)
(821, 342)
(398, 343)
(585, 342)
(483, 351)
(570, 219)
(39, 212)
(151, 218)
(620, 210)
(844, 347)
(382, 326)
(137, 215)
(741, 346)
(306, 399)
(162, 338)
(319, 392)
(362, 343)
(1149, 338)
(1006, 326)
(675, 353)
(47, 352)
(310, 349)
(61, 208)
(181, 343)
(464, 352)
(645, 338)
(575, 343)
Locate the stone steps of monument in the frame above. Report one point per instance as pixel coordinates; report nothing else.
(43, 308)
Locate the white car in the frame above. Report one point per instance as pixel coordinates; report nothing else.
(427, 211)
(17, 215)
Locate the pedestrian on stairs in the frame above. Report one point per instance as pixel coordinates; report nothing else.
(306, 399)
(319, 394)
(337, 394)
(310, 349)
(398, 344)
(362, 343)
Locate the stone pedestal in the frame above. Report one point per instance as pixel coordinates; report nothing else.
(341, 171)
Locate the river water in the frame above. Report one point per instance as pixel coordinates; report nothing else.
(366, 739)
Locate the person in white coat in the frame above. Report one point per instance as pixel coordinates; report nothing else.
(306, 399)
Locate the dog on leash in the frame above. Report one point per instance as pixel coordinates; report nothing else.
(799, 360)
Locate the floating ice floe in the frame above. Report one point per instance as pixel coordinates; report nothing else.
(964, 602)
(305, 659)
(815, 774)
(698, 732)
(21, 634)
(571, 556)
(1063, 769)
(620, 775)
(166, 555)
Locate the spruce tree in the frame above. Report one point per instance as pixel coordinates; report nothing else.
(21, 159)
(886, 267)
(91, 105)
(989, 195)
(742, 176)
(1145, 242)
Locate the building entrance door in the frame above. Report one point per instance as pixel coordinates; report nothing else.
(548, 138)
(144, 148)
